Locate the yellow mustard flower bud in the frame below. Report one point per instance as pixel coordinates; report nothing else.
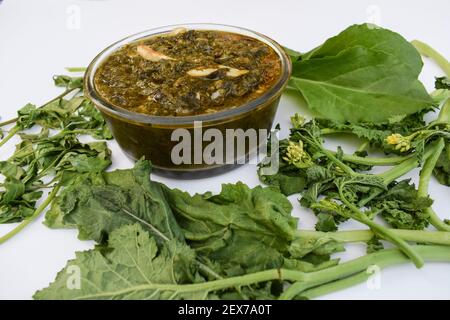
(394, 139)
(297, 120)
(399, 142)
(296, 156)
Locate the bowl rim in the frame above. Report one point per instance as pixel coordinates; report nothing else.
(92, 94)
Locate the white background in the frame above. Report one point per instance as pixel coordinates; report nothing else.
(40, 38)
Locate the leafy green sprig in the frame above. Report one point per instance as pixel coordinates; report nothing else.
(347, 188)
(48, 159)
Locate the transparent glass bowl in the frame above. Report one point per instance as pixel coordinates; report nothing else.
(141, 135)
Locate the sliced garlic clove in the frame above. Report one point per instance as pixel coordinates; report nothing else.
(236, 72)
(215, 95)
(201, 72)
(233, 72)
(149, 54)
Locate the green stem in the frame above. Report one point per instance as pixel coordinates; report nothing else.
(425, 174)
(381, 258)
(383, 232)
(209, 286)
(444, 114)
(403, 168)
(215, 275)
(36, 214)
(10, 121)
(398, 171)
(296, 288)
(76, 69)
(424, 180)
(419, 236)
(436, 221)
(60, 96)
(11, 134)
(331, 155)
(440, 95)
(64, 132)
(363, 146)
(49, 167)
(327, 288)
(350, 273)
(359, 160)
(428, 51)
(371, 161)
(386, 234)
(427, 169)
(326, 131)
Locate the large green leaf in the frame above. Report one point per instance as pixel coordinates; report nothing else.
(364, 74)
(236, 231)
(99, 204)
(240, 228)
(371, 37)
(132, 266)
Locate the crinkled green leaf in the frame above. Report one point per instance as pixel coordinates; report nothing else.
(68, 82)
(97, 205)
(320, 246)
(401, 206)
(442, 169)
(250, 229)
(36, 158)
(325, 222)
(288, 183)
(11, 170)
(11, 213)
(132, 266)
(374, 245)
(442, 83)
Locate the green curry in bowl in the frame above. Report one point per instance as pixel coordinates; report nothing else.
(151, 84)
(188, 72)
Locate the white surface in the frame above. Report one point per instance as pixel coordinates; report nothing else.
(40, 38)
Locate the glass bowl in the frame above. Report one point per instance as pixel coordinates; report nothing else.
(140, 135)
